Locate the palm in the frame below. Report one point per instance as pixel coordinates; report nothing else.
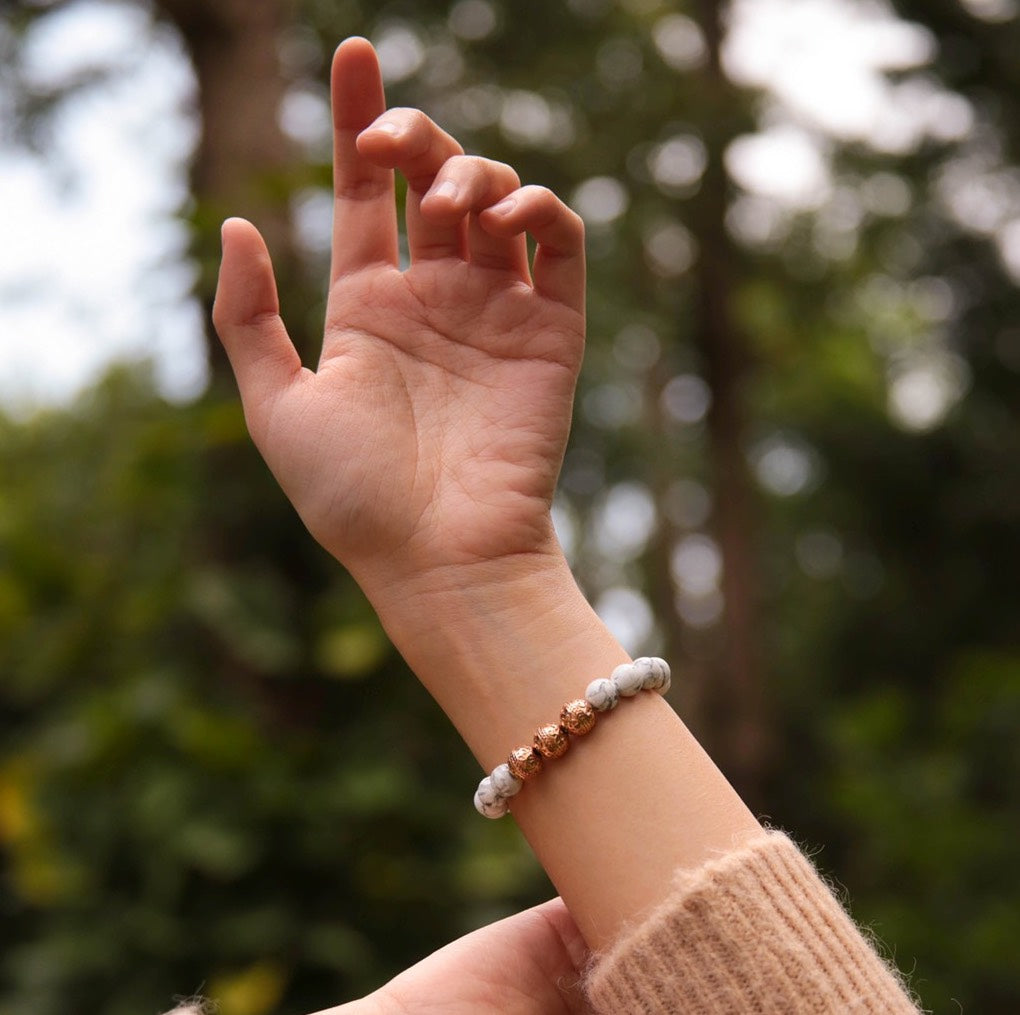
(443, 398)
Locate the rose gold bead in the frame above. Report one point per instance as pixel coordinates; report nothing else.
(578, 717)
(551, 741)
(524, 763)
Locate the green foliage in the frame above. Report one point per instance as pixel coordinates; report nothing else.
(215, 774)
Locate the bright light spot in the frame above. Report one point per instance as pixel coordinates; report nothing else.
(825, 60)
(918, 108)
(600, 200)
(613, 405)
(819, 553)
(946, 115)
(1009, 247)
(932, 298)
(686, 398)
(679, 42)
(994, 11)
(677, 164)
(565, 527)
(837, 222)
(784, 163)
(477, 106)
(696, 565)
(627, 615)
(530, 119)
(886, 194)
(624, 522)
(979, 195)
(670, 248)
(687, 504)
(473, 19)
(924, 388)
(757, 221)
(526, 117)
(444, 65)
(305, 117)
(312, 210)
(93, 267)
(637, 347)
(80, 39)
(401, 51)
(784, 465)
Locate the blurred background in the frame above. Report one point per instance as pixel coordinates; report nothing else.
(794, 472)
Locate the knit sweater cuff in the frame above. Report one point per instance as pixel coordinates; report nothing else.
(753, 931)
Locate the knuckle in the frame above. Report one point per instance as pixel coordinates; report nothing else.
(548, 210)
(407, 115)
(491, 168)
(364, 189)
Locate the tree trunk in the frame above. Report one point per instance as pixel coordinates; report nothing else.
(738, 698)
(243, 157)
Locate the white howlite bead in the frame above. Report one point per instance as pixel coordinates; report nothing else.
(488, 802)
(504, 782)
(664, 675)
(629, 679)
(656, 674)
(603, 695)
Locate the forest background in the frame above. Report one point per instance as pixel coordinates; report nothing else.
(794, 471)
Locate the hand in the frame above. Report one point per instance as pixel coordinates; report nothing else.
(528, 964)
(432, 433)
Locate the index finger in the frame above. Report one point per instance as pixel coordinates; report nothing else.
(364, 216)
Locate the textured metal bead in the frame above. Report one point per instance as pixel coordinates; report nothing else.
(488, 802)
(551, 741)
(603, 695)
(629, 679)
(524, 763)
(504, 781)
(578, 717)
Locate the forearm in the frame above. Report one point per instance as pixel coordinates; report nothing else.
(501, 647)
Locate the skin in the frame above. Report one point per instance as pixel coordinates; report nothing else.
(423, 453)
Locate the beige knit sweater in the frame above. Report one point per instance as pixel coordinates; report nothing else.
(756, 931)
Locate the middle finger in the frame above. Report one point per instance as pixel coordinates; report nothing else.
(406, 139)
(466, 186)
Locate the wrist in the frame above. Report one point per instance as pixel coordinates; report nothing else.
(424, 568)
(500, 644)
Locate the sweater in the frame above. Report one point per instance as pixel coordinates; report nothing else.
(754, 931)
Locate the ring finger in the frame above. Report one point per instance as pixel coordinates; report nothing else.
(465, 187)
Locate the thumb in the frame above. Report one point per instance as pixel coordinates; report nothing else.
(246, 315)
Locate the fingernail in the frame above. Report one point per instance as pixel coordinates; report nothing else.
(447, 189)
(387, 128)
(504, 207)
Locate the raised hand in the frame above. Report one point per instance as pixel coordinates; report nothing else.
(432, 432)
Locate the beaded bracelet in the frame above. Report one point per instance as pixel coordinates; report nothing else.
(576, 719)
